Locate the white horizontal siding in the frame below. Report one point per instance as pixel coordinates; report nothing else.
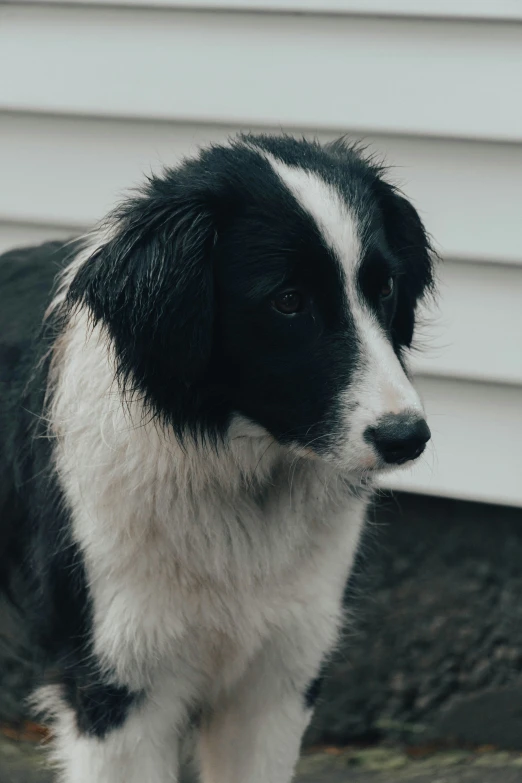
(466, 9)
(26, 234)
(469, 194)
(475, 450)
(475, 330)
(385, 75)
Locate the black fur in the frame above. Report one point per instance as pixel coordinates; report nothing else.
(42, 568)
(100, 707)
(313, 692)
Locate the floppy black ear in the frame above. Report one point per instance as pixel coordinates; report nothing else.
(409, 242)
(151, 285)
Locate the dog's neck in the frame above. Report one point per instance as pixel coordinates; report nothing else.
(246, 517)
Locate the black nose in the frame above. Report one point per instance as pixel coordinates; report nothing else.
(399, 437)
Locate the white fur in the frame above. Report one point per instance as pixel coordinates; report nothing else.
(327, 208)
(380, 387)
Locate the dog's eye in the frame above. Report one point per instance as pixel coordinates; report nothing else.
(387, 289)
(288, 302)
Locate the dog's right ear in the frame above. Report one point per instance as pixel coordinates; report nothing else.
(151, 286)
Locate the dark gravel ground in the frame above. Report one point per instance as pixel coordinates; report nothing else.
(390, 765)
(24, 762)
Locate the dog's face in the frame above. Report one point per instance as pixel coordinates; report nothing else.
(276, 280)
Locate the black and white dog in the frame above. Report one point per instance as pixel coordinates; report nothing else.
(191, 419)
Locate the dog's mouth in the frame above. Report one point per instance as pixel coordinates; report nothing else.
(372, 465)
(384, 468)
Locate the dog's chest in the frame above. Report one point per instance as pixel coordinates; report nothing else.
(202, 581)
(181, 552)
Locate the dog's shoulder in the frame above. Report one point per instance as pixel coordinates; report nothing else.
(27, 277)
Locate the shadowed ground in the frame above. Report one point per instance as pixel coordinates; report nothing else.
(24, 762)
(390, 765)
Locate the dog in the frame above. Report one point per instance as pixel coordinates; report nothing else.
(197, 398)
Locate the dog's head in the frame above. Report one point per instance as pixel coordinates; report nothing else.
(275, 280)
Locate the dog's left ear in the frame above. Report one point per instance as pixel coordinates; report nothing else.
(409, 242)
(151, 286)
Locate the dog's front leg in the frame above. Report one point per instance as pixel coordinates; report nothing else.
(142, 748)
(254, 735)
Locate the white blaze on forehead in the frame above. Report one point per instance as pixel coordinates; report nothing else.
(326, 207)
